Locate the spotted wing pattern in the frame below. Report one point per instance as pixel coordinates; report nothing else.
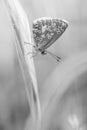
(47, 30)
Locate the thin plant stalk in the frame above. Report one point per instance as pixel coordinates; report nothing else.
(20, 26)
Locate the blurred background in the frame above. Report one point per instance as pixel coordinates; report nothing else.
(73, 39)
(14, 109)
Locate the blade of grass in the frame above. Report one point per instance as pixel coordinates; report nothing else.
(21, 31)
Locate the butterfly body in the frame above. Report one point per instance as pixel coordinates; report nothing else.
(46, 31)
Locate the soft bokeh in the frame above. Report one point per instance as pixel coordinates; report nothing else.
(13, 101)
(74, 38)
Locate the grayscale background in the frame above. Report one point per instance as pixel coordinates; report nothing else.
(14, 109)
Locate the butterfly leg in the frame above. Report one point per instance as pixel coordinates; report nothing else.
(33, 54)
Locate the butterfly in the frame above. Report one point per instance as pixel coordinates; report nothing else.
(45, 32)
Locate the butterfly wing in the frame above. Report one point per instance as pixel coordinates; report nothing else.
(47, 30)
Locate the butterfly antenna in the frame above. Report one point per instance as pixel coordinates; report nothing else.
(57, 58)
